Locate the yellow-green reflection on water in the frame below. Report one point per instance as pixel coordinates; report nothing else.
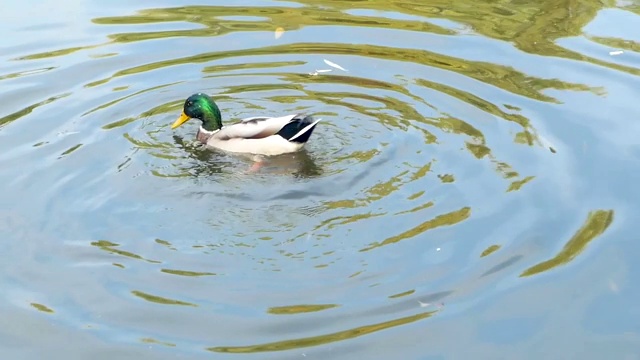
(533, 26)
(501, 76)
(27, 110)
(55, 53)
(166, 243)
(322, 339)
(516, 185)
(110, 247)
(596, 223)
(446, 178)
(137, 93)
(223, 69)
(42, 308)
(25, 73)
(289, 18)
(490, 250)
(160, 300)
(404, 293)
(157, 342)
(447, 219)
(186, 273)
(417, 208)
(298, 309)
(617, 43)
(484, 105)
(70, 150)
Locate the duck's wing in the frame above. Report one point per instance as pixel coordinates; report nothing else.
(254, 127)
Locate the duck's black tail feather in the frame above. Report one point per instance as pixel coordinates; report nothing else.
(299, 129)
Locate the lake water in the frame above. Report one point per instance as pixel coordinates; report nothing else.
(469, 193)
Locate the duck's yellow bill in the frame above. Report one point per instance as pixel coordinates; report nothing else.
(181, 120)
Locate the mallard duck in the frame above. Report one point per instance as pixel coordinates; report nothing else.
(255, 135)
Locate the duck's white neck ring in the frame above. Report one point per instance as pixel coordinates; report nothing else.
(204, 135)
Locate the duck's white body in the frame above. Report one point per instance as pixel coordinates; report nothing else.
(261, 135)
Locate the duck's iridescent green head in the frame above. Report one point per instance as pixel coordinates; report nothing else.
(202, 107)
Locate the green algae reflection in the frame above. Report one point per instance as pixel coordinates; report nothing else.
(490, 250)
(160, 300)
(110, 247)
(322, 339)
(70, 150)
(404, 293)
(211, 23)
(29, 109)
(596, 224)
(157, 342)
(503, 77)
(298, 309)
(447, 219)
(187, 273)
(531, 26)
(42, 308)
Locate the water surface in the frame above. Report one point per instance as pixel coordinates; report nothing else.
(469, 193)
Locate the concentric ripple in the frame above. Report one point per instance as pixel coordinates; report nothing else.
(439, 177)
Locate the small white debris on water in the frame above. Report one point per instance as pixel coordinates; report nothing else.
(319, 71)
(422, 304)
(437, 249)
(330, 63)
(617, 52)
(278, 33)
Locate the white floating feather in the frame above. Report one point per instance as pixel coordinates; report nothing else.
(330, 63)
